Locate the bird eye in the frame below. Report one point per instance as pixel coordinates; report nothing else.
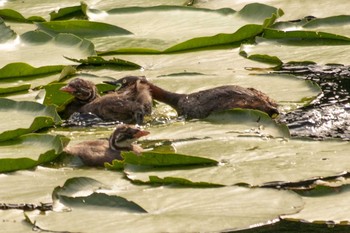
(124, 81)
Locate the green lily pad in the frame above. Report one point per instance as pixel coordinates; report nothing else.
(82, 28)
(294, 9)
(12, 15)
(6, 33)
(175, 209)
(70, 195)
(31, 150)
(159, 160)
(24, 117)
(20, 69)
(254, 162)
(70, 12)
(212, 27)
(36, 45)
(326, 209)
(98, 61)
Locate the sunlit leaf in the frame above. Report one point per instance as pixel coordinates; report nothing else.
(81, 28)
(12, 15)
(81, 192)
(31, 150)
(24, 117)
(6, 33)
(325, 209)
(160, 160)
(70, 12)
(99, 61)
(212, 27)
(16, 70)
(174, 209)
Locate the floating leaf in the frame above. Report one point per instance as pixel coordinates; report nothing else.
(24, 117)
(212, 27)
(81, 192)
(6, 33)
(175, 209)
(325, 209)
(70, 12)
(36, 45)
(20, 69)
(98, 61)
(160, 160)
(12, 15)
(81, 28)
(31, 150)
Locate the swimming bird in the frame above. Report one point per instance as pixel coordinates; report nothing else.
(110, 107)
(98, 152)
(200, 104)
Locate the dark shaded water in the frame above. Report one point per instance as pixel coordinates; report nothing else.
(328, 116)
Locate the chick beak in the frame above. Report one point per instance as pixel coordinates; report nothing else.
(68, 89)
(141, 133)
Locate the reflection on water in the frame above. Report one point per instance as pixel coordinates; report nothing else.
(328, 116)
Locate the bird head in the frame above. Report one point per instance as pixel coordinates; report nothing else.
(124, 135)
(81, 89)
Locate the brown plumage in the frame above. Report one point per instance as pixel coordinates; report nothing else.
(201, 104)
(98, 152)
(110, 107)
(84, 92)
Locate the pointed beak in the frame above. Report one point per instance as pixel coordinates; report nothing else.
(141, 133)
(68, 89)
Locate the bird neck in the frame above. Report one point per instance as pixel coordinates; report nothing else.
(170, 98)
(92, 95)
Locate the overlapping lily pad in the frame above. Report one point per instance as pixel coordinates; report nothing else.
(216, 27)
(173, 209)
(31, 50)
(24, 117)
(31, 150)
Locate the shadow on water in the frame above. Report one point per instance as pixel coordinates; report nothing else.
(328, 116)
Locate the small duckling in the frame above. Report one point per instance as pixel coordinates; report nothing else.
(201, 104)
(98, 152)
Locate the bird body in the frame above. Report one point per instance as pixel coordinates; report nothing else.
(124, 107)
(201, 104)
(98, 152)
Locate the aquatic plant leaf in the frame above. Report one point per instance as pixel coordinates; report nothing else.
(254, 162)
(6, 33)
(213, 28)
(99, 61)
(70, 12)
(325, 209)
(160, 160)
(12, 88)
(176, 209)
(31, 150)
(24, 117)
(13, 15)
(81, 192)
(81, 28)
(20, 69)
